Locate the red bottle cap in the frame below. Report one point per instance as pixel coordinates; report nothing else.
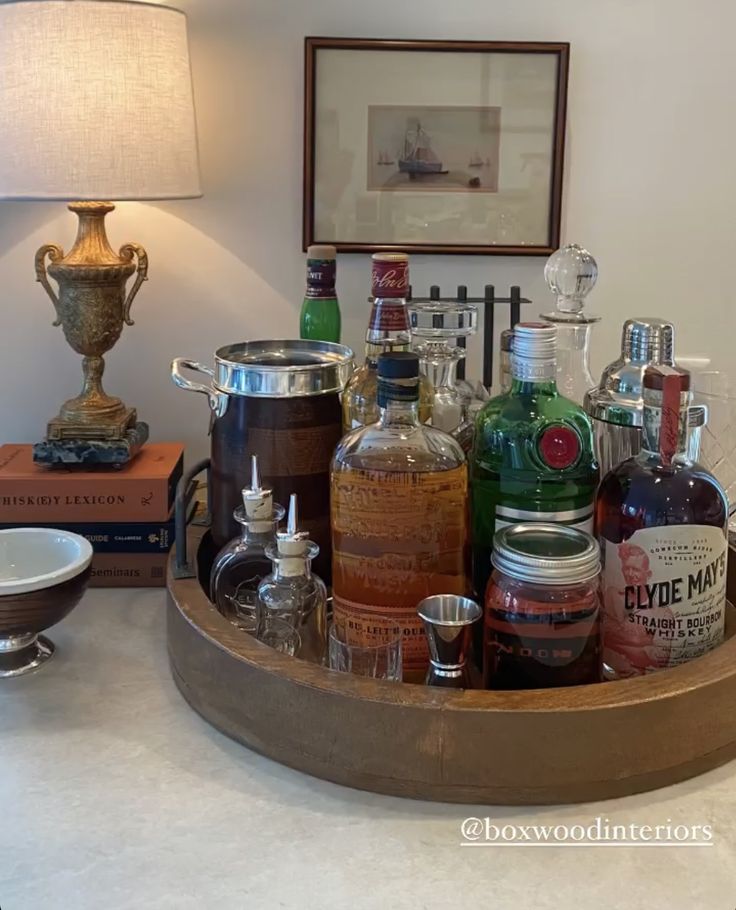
(390, 275)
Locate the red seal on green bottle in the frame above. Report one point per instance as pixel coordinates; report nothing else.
(559, 446)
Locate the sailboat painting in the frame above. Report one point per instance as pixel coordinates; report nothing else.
(426, 148)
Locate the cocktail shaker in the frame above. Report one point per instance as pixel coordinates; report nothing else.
(616, 405)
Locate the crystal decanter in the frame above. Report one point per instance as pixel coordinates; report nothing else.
(571, 274)
(292, 594)
(435, 328)
(241, 565)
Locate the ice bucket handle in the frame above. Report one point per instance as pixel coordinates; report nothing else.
(217, 400)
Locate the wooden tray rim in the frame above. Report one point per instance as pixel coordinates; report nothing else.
(713, 668)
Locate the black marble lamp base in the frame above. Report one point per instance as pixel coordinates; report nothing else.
(70, 452)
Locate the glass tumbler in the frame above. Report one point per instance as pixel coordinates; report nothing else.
(350, 652)
(716, 390)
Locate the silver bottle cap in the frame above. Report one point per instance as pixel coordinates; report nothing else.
(645, 341)
(546, 554)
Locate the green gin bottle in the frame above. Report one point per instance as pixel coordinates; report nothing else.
(533, 457)
(320, 315)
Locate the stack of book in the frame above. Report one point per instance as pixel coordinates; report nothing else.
(127, 515)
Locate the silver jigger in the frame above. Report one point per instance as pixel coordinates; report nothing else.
(448, 619)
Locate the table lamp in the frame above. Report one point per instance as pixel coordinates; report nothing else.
(95, 104)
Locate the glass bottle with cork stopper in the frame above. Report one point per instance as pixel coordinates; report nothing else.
(571, 274)
(388, 330)
(320, 314)
(661, 520)
(292, 593)
(241, 565)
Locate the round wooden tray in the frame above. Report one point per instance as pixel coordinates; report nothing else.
(540, 746)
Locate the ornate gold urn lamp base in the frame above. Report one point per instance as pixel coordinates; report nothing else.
(92, 308)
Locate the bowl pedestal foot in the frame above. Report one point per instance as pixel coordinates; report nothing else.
(21, 654)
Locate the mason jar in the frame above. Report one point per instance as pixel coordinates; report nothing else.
(542, 622)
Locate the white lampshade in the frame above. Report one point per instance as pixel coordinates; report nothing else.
(95, 102)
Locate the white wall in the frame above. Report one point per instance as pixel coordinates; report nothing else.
(649, 188)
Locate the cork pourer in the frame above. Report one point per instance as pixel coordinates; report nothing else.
(259, 509)
(292, 594)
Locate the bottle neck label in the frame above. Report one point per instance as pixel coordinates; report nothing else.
(390, 278)
(402, 392)
(388, 315)
(321, 278)
(664, 429)
(533, 369)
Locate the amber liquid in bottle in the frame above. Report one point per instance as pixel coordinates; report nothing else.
(661, 521)
(399, 519)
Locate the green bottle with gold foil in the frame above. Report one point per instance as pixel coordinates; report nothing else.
(320, 315)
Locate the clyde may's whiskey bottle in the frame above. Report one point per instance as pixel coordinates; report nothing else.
(399, 526)
(533, 455)
(662, 525)
(388, 330)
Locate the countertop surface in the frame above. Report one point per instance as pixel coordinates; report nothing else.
(115, 795)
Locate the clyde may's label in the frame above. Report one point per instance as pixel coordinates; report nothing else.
(321, 279)
(664, 596)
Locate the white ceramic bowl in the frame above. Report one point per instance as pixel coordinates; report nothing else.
(32, 559)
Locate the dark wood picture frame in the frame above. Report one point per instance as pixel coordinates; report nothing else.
(562, 51)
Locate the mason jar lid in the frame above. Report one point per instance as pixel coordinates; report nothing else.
(546, 554)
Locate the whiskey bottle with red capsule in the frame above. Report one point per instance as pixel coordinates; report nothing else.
(533, 457)
(662, 525)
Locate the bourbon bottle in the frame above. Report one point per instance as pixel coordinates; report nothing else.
(662, 525)
(388, 330)
(399, 525)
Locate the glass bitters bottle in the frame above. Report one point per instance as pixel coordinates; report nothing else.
(571, 274)
(241, 565)
(388, 330)
(320, 314)
(662, 525)
(533, 458)
(399, 525)
(292, 593)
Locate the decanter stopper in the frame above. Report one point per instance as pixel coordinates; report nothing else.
(258, 502)
(571, 274)
(448, 620)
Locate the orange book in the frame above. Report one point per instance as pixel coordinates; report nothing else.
(142, 490)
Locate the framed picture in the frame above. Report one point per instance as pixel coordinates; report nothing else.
(434, 146)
